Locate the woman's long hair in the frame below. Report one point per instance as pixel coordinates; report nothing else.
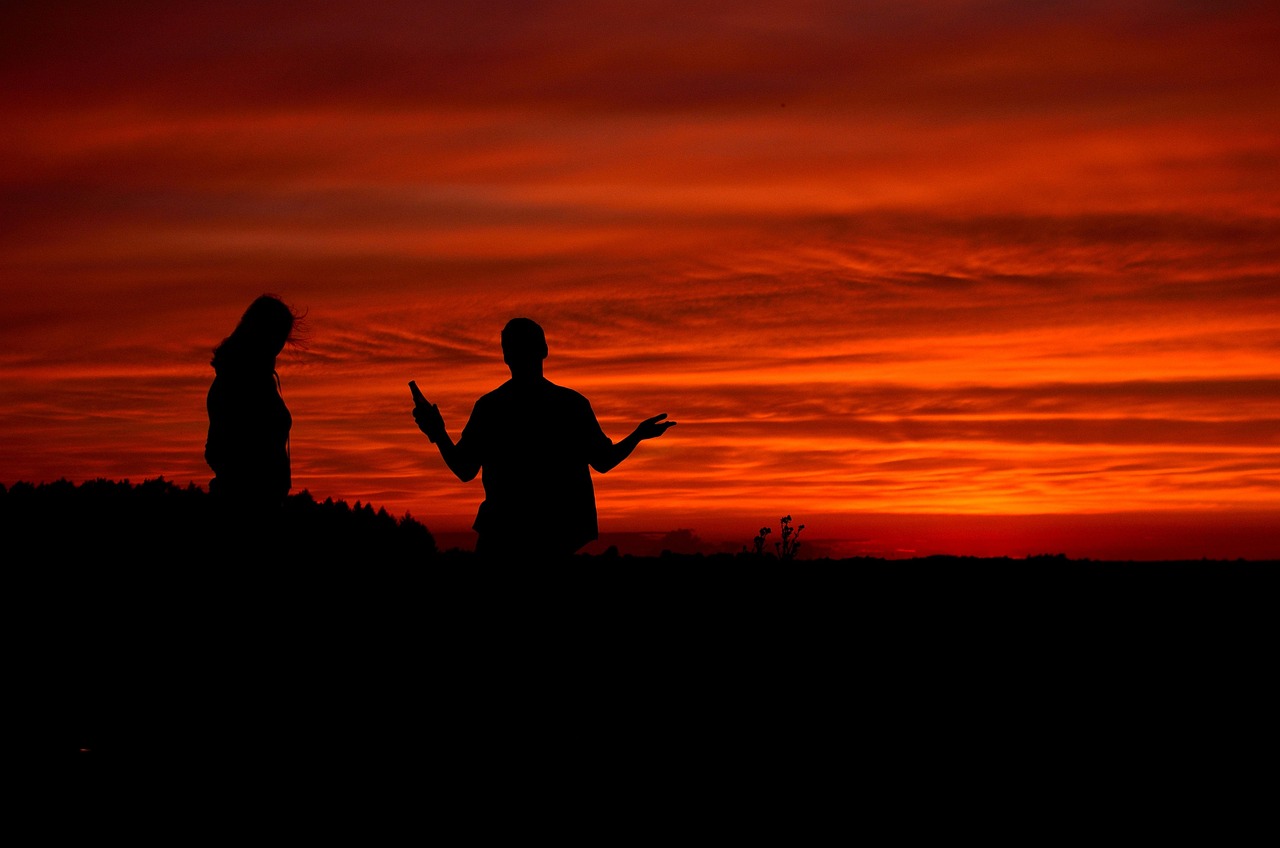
(264, 329)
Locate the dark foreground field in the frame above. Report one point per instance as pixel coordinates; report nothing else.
(459, 664)
(660, 697)
(659, 682)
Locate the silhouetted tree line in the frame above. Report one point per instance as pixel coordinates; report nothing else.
(160, 522)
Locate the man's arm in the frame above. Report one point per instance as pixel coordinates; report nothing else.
(650, 428)
(431, 422)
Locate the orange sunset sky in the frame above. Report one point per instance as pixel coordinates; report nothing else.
(988, 278)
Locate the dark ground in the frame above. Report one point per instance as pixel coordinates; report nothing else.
(144, 638)
(343, 654)
(464, 662)
(662, 697)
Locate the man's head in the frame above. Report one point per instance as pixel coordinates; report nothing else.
(523, 342)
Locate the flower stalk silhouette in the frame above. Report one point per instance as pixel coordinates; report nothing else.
(786, 547)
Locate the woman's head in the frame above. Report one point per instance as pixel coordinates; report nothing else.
(264, 329)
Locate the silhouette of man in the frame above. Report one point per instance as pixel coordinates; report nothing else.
(536, 443)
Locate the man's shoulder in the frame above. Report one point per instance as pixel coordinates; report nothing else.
(570, 402)
(544, 390)
(493, 394)
(567, 393)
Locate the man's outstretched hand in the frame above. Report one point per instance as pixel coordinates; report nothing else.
(651, 428)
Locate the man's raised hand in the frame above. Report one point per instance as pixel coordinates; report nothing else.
(427, 414)
(651, 428)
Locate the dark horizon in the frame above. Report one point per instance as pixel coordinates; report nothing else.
(48, 497)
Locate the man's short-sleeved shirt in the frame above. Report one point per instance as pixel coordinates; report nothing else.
(534, 443)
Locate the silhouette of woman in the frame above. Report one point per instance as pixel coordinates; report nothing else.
(248, 442)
